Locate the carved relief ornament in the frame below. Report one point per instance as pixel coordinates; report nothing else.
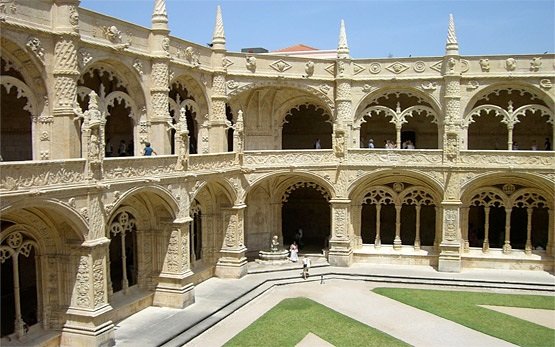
(35, 46)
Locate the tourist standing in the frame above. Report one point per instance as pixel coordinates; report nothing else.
(547, 144)
(370, 143)
(148, 151)
(294, 250)
(306, 267)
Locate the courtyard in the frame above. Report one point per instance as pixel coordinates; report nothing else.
(230, 312)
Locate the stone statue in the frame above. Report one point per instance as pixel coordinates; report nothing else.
(274, 246)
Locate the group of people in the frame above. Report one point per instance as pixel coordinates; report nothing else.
(535, 147)
(125, 149)
(389, 144)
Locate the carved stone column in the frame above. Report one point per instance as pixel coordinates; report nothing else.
(341, 252)
(217, 120)
(452, 96)
(232, 262)
(173, 289)
(159, 80)
(88, 317)
(65, 73)
(356, 219)
(343, 99)
(450, 246)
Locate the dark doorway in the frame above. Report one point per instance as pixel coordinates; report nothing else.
(308, 210)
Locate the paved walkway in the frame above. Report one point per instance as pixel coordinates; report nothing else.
(216, 299)
(355, 300)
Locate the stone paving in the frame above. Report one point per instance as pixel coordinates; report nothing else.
(235, 303)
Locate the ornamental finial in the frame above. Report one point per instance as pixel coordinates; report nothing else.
(452, 46)
(160, 15)
(218, 38)
(342, 47)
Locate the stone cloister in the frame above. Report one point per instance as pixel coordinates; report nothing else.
(92, 231)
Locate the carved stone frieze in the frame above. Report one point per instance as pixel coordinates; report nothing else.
(397, 67)
(7, 7)
(437, 66)
(368, 88)
(375, 68)
(419, 66)
(35, 174)
(465, 65)
(473, 84)
(131, 168)
(98, 282)
(288, 159)
(330, 69)
(379, 157)
(280, 65)
(357, 68)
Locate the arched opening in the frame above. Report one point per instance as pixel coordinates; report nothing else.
(20, 309)
(229, 131)
(182, 98)
(16, 140)
(487, 133)
(531, 131)
(509, 118)
(306, 208)
(304, 126)
(195, 233)
(123, 252)
(398, 119)
(113, 94)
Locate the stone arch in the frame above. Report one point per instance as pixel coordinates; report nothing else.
(163, 195)
(24, 109)
(51, 210)
(393, 109)
(32, 74)
(121, 98)
(500, 115)
(319, 94)
(356, 189)
(506, 212)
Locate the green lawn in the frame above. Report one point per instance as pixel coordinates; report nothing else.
(287, 323)
(461, 307)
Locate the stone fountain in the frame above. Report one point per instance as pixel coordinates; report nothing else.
(275, 255)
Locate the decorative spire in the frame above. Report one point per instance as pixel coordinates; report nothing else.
(343, 47)
(160, 15)
(218, 38)
(452, 46)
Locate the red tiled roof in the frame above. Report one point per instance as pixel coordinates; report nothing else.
(297, 48)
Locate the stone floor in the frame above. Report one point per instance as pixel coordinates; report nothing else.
(224, 307)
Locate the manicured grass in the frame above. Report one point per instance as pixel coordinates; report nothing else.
(461, 307)
(287, 323)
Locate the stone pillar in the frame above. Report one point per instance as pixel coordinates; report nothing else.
(450, 246)
(452, 96)
(88, 317)
(65, 73)
(159, 81)
(356, 225)
(173, 289)
(341, 252)
(218, 127)
(343, 99)
(232, 263)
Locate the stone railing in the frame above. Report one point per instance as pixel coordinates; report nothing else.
(290, 158)
(132, 167)
(542, 160)
(213, 162)
(26, 175)
(23, 176)
(396, 157)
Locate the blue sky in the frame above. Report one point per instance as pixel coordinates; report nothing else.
(375, 28)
